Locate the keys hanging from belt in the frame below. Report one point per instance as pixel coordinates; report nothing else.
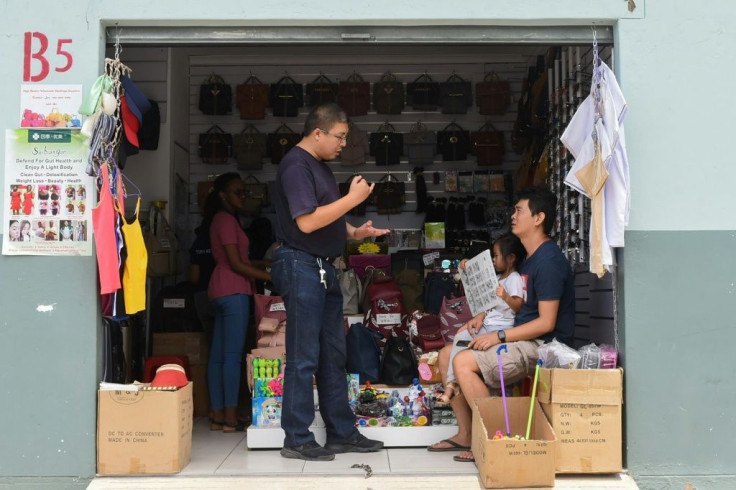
(322, 273)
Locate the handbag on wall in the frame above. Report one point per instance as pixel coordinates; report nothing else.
(286, 97)
(356, 147)
(423, 93)
(161, 244)
(456, 95)
(388, 95)
(389, 195)
(387, 145)
(280, 142)
(453, 142)
(256, 196)
(354, 95)
(215, 146)
(398, 363)
(215, 96)
(321, 91)
(252, 98)
(420, 145)
(351, 289)
(249, 148)
(488, 145)
(492, 95)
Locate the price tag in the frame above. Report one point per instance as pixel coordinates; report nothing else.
(175, 303)
(277, 307)
(388, 318)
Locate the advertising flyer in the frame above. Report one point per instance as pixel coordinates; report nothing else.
(480, 283)
(50, 106)
(47, 206)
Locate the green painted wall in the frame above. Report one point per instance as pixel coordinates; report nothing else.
(677, 274)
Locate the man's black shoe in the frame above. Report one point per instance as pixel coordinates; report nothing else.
(360, 445)
(311, 451)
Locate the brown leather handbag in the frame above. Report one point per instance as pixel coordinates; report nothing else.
(488, 145)
(354, 95)
(388, 95)
(321, 91)
(356, 147)
(252, 98)
(492, 95)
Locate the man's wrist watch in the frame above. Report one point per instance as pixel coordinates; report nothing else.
(501, 336)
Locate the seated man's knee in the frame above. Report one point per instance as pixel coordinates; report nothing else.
(464, 363)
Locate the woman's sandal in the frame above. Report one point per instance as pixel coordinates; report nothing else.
(229, 428)
(216, 425)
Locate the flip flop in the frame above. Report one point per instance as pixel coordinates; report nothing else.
(454, 446)
(461, 459)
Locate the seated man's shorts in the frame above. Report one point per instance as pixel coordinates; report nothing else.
(518, 362)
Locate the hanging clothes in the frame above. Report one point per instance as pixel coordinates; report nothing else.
(103, 222)
(136, 263)
(605, 118)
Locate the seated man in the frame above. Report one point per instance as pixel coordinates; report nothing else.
(548, 312)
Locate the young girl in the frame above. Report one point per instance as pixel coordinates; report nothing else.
(508, 253)
(25, 231)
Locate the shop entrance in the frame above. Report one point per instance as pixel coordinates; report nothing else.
(171, 64)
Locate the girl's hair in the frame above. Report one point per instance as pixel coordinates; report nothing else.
(510, 244)
(24, 223)
(213, 203)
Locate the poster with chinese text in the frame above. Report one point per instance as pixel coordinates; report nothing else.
(480, 283)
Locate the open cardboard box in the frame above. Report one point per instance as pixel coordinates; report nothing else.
(584, 407)
(144, 432)
(511, 463)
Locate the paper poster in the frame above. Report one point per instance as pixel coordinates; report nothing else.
(47, 194)
(480, 283)
(50, 106)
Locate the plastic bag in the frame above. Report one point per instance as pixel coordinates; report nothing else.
(557, 355)
(590, 356)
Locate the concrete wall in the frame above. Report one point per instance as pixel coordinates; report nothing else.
(676, 280)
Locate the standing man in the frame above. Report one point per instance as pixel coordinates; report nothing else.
(311, 226)
(548, 312)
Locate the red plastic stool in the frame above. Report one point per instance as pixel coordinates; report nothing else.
(155, 362)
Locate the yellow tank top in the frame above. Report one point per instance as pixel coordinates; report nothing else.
(134, 273)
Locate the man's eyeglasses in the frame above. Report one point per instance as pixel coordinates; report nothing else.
(343, 139)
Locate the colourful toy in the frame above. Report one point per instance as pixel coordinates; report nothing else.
(534, 396)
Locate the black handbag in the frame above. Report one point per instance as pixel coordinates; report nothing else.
(453, 143)
(249, 148)
(389, 195)
(280, 142)
(456, 95)
(321, 91)
(358, 210)
(423, 94)
(286, 97)
(215, 96)
(363, 353)
(215, 146)
(354, 95)
(388, 95)
(398, 363)
(387, 145)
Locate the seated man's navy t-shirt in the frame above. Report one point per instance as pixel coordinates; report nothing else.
(547, 277)
(303, 183)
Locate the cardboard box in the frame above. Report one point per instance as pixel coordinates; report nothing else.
(190, 344)
(144, 432)
(584, 407)
(511, 463)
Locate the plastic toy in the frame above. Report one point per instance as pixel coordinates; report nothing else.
(503, 388)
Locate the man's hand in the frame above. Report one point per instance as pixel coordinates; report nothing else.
(359, 189)
(367, 230)
(484, 342)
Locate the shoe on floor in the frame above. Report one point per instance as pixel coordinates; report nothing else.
(310, 451)
(360, 445)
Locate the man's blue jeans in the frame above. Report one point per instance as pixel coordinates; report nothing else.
(315, 345)
(226, 353)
